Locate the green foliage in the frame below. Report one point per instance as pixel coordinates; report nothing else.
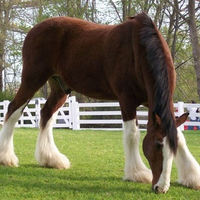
(97, 160)
(186, 87)
(17, 17)
(68, 8)
(5, 96)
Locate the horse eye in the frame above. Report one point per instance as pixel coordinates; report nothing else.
(158, 144)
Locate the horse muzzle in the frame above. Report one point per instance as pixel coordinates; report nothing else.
(160, 189)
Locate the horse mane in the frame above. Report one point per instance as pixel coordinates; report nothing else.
(160, 70)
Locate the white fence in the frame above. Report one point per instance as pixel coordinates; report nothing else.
(74, 115)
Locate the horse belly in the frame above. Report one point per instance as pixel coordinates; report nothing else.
(91, 83)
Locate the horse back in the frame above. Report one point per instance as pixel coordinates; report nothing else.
(100, 61)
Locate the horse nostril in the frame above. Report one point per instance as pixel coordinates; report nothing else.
(156, 189)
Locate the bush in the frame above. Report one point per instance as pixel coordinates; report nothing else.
(5, 96)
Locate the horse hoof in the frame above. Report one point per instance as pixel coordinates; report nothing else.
(10, 161)
(191, 184)
(140, 176)
(59, 161)
(63, 163)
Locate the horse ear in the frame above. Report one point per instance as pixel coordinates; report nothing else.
(180, 120)
(158, 120)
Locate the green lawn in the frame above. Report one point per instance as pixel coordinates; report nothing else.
(97, 160)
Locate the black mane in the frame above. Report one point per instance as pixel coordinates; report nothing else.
(156, 59)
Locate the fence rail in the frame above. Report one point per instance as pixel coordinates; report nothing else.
(74, 115)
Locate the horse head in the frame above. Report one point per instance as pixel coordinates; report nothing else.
(157, 150)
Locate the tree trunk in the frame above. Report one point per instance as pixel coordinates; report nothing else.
(124, 3)
(4, 21)
(194, 41)
(1, 71)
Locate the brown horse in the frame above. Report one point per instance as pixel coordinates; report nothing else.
(130, 62)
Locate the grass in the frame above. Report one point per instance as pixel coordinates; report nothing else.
(96, 173)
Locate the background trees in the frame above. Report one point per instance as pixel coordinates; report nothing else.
(178, 21)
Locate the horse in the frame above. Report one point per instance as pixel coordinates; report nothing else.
(129, 62)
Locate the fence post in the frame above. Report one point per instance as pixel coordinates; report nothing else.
(37, 112)
(70, 100)
(180, 112)
(74, 113)
(5, 107)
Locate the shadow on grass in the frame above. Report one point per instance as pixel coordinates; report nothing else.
(33, 181)
(31, 177)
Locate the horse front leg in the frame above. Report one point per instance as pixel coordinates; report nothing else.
(135, 170)
(188, 167)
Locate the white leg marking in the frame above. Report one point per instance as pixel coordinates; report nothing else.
(7, 154)
(163, 183)
(47, 154)
(135, 170)
(188, 168)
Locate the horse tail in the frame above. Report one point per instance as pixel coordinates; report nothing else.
(163, 73)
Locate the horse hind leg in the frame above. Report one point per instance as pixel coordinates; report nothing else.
(7, 155)
(15, 109)
(47, 154)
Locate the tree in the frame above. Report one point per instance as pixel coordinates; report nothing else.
(11, 37)
(186, 22)
(175, 19)
(194, 40)
(4, 24)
